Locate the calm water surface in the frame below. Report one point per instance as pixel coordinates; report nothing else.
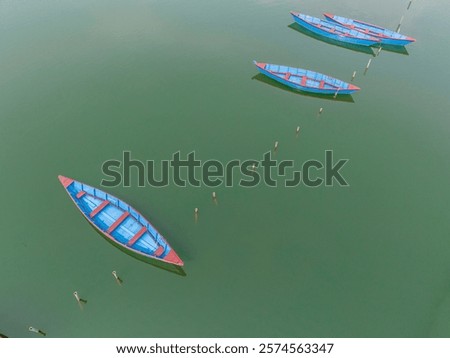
(81, 81)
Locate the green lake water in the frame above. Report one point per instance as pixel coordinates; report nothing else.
(82, 81)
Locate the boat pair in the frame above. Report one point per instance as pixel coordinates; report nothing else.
(336, 28)
(350, 31)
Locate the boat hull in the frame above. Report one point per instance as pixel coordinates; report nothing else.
(119, 223)
(385, 36)
(337, 37)
(146, 259)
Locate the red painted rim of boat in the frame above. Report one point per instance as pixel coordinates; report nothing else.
(173, 257)
(180, 262)
(65, 181)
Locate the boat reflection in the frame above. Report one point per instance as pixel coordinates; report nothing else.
(358, 48)
(339, 98)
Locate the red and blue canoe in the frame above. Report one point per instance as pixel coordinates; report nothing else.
(119, 222)
(333, 30)
(386, 37)
(305, 80)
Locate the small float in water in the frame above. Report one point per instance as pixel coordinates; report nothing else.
(385, 36)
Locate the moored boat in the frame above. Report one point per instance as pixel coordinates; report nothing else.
(306, 80)
(119, 222)
(333, 30)
(385, 36)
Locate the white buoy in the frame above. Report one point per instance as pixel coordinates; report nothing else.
(214, 195)
(320, 110)
(196, 211)
(353, 75)
(409, 5)
(276, 146)
(297, 131)
(76, 296)
(253, 167)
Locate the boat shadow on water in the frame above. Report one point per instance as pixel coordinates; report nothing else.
(353, 47)
(178, 270)
(401, 50)
(339, 98)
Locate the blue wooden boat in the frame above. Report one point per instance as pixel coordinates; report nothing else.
(333, 30)
(386, 37)
(305, 80)
(119, 222)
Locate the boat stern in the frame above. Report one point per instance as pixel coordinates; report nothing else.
(65, 181)
(328, 16)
